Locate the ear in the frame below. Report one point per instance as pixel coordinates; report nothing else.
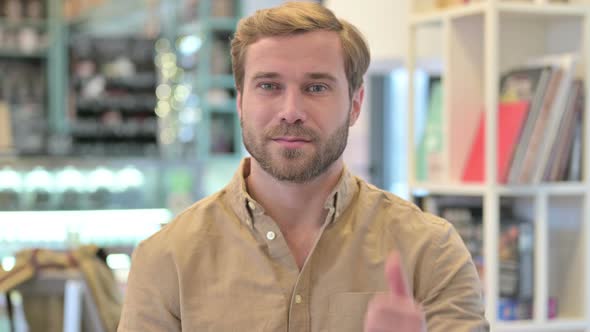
(357, 102)
(239, 104)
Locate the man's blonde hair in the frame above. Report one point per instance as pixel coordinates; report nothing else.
(300, 17)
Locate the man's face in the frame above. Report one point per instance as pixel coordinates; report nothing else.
(295, 108)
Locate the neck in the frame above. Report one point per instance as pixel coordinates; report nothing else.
(293, 204)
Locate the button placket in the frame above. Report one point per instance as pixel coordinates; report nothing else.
(299, 309)
(269, 232)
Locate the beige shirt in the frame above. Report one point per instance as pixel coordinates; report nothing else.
(223, 265)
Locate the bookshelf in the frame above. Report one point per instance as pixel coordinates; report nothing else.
(471, 46)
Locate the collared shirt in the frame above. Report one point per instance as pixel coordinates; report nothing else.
(223, 265)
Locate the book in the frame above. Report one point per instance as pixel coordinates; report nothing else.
(555, 170)
(514, 309)
(511, 119)
(543, 93)
(429, 157)
(524, 84)
(575, 159)
(6, 144)
(521, 84)
(567, 63)
(516, 258)
(517, 309)
(466, 216)
(529, 145)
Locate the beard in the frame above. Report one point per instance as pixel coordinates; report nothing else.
(295, 165)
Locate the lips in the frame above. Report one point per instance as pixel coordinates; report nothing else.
(292, 139)
(291, 142)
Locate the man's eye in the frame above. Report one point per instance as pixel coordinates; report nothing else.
(268, 86)
(315, 88)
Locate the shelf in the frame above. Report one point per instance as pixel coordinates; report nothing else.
(39, 24)
(477, 44)
(111, 136)
(82, 161)
(543, 10)
(221, 23)
(23, 229)
(557, 188)
(140, 81)
(227, 107)
(132, 216)
(437, 17)
(130, 104)
(213, 24)
(461, 189)
(17, 54)
(109, 11)
(550, 326)
(190, 28)
(222, 81)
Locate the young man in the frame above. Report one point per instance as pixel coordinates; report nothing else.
(295, 242)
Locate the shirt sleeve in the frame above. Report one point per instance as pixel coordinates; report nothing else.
(151, 299)
(454, 301)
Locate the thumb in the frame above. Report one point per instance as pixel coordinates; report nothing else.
(395, 276)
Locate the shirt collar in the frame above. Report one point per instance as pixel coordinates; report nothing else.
(247, 208)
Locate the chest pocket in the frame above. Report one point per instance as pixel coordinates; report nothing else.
(348, 310)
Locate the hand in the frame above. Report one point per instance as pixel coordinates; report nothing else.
(396, 310)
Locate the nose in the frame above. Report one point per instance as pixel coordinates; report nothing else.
(293, 106)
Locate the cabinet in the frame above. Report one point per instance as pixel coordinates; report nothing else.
(471, 46)
(108, 186)
(208, 74)
(198, 109)
(31, 60)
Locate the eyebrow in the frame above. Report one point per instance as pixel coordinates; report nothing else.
(263, 75)
(314, 76)
(322, 76)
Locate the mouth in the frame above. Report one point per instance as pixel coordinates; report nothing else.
(291, 141)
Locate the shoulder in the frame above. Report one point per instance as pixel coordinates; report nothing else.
(424, 240)
(187, 227)
(398, 214)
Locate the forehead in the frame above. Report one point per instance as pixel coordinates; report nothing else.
(318, 51)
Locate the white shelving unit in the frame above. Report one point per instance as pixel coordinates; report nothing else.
(472, 45)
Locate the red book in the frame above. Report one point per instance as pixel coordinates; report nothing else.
(511, 119)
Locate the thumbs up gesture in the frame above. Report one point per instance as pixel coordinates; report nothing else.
(396, 310)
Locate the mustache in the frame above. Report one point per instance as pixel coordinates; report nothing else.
(296, 130)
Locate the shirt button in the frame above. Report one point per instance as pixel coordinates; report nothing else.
(251, 205)
(271, 235)
(298, 299)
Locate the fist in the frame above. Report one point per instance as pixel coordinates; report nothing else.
(396, 310)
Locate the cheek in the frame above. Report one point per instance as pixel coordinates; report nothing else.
(332, 116)
(252, 109)
(260, 114)
(256, 119)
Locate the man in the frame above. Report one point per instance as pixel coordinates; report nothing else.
(295, 242)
